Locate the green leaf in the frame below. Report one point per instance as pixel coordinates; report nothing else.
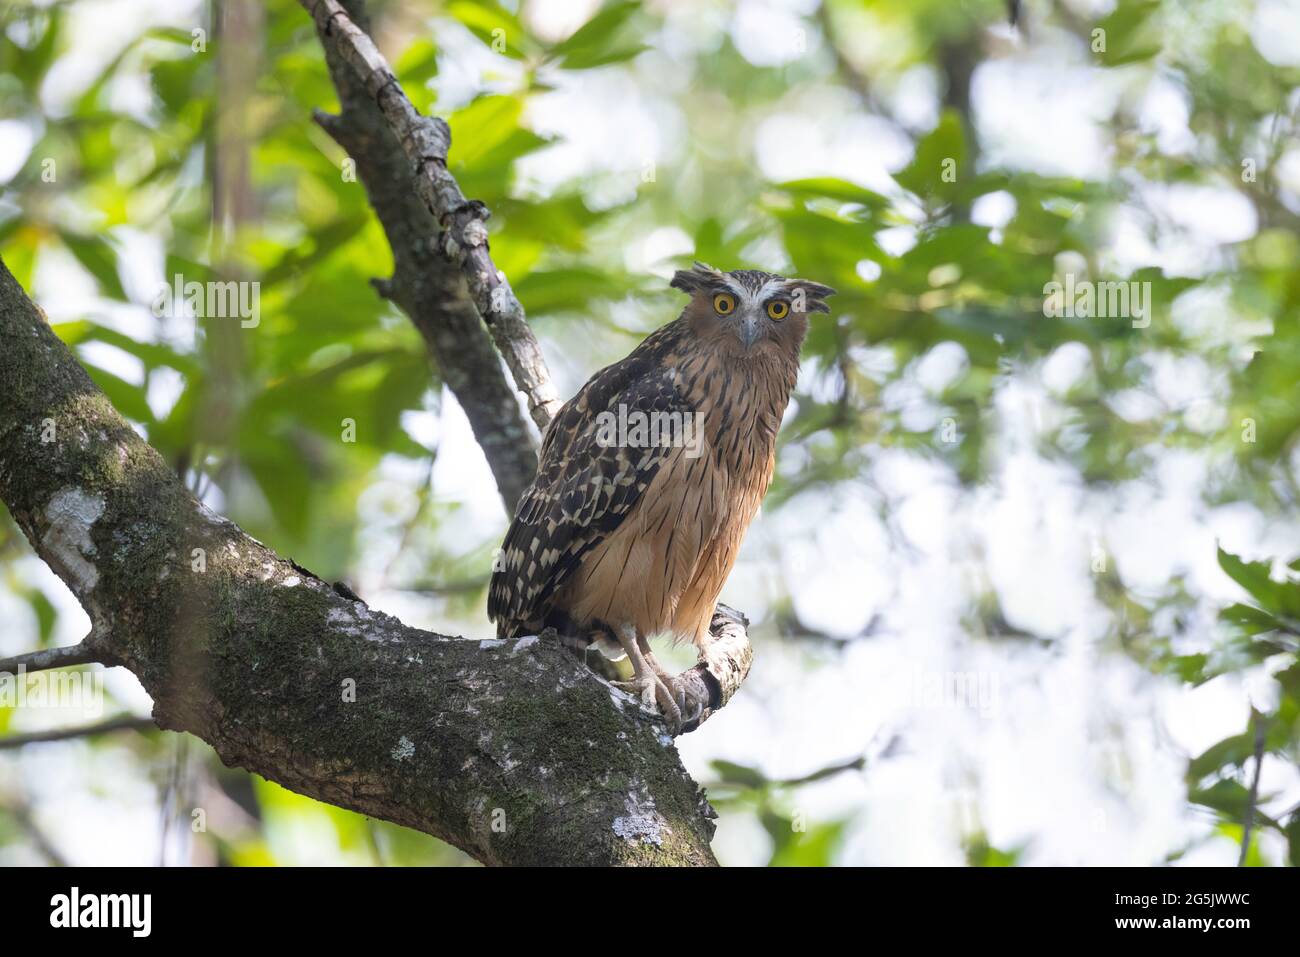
(980, 853)
(100, 260)
(495, 26)
(938, 166)
(1228, 798)
(152, 354)
(740, 775)
(481, 127)
(299, 259)
(560, 290)
(32, 64)
(1252, 576)
(173, 81)
(814, 847)
(489, 179)
(171, 35)
(1280, 598)
(593, 44)
(418, 63)
(128, 399)
(1129, 33)
(1251, 620)
(287, 485)
(560, 222)
(590, 58)
(46, 615)
(1232, 751)
(828, 187)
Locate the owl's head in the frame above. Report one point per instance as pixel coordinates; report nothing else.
(749, 311)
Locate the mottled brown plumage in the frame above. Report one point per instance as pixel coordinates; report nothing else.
(628, 535)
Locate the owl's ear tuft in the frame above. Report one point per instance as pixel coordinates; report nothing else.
(696, 279)
(811, 295)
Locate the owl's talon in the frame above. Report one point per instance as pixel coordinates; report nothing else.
(649, 680)
(659, 694)
(642, 688)
(671, 699)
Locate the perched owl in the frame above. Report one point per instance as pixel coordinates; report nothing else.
(650, 475)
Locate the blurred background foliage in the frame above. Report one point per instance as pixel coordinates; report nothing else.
(848, 142)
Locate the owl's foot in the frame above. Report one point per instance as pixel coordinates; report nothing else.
(688, 705)
(657, 693)
(650, 684)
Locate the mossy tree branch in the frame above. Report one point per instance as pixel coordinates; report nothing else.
(513, 751)
(402, 158)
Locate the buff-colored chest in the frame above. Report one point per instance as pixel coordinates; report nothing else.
(662, 570)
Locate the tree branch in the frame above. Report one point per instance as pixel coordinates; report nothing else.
(425, 285)
(425, 140)
(400, 155)
(21, 812)
(853, 78)
(723, 667)
(121, 722)
(1252, 798)
(513, 751)
(82, 653)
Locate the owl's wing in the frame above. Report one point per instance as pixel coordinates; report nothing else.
(585, 487)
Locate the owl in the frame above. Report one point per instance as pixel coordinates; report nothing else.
(650, 475)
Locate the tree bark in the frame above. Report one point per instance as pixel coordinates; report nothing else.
(427, 286)
(426, 140)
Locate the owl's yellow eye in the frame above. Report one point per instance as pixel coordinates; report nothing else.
(723, 303)
(778, 309)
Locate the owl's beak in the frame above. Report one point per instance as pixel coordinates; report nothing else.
(749, 330)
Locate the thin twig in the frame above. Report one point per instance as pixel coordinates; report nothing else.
(22, 815)
(853, 78)
(1261, 731)
(46, 659)
(857, 764)
(122, 722)
(466, 586)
